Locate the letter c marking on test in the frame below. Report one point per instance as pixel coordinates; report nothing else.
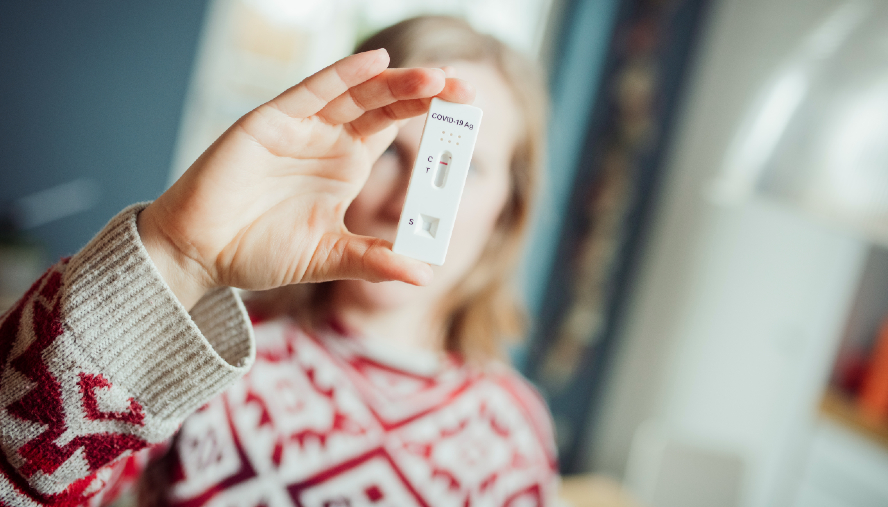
(430, 158)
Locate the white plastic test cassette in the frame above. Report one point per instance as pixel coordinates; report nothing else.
(437, 181)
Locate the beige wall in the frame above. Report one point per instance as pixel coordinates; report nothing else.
(737, 310)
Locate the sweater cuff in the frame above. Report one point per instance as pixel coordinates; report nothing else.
(129, 322)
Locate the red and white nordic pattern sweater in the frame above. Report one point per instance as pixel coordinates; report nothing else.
(106, 382)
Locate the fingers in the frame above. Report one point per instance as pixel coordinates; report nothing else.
(371, 122)
(457, 90)
(384, 89)
(349, 256)
(379, 119)
(317, 90)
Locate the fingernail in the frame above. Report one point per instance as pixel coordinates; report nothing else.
(384, 55)
(443, 75)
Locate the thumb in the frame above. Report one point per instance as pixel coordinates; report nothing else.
(349, 256)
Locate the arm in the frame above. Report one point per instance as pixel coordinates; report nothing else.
(264, 205)
(101, 357)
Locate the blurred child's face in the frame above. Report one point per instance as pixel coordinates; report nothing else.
(376, 210)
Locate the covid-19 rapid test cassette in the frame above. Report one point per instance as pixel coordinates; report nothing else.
(437, 181)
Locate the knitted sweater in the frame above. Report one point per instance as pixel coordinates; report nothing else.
(106, 381)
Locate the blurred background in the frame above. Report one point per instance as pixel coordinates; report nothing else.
(708, 272)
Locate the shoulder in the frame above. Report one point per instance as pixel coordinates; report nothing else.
(529, 400)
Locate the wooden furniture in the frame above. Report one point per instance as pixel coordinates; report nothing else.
(594, 491)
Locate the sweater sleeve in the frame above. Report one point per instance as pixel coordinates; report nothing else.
(99, 360)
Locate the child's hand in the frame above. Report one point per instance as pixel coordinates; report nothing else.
(263, 206)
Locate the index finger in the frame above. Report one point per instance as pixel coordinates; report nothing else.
(371, 122)
(317, 90)
(386, 88)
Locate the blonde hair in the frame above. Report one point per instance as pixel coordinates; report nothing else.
(482, 311)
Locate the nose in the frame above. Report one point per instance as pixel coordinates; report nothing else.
(395, 203)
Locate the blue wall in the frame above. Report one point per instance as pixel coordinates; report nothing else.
(91, 89)
(581, 52)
